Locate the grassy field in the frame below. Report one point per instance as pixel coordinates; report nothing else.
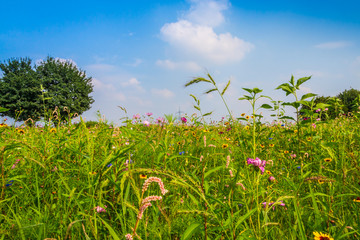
(151, 179)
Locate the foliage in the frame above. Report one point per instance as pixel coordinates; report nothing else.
(71, 182)
(23, 88)
(351, 100)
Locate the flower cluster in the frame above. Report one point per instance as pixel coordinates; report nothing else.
(16, 163)
(257, 162)
(154, 179)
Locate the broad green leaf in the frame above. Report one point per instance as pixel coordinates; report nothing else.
(266, 106)
(111, 230)
(193, 228)
(301, 81)
(308, 95)
(3, 109)
(244, 217)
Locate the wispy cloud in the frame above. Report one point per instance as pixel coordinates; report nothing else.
(165, 93)
(194, 34)
(171, 65)
(333, 45)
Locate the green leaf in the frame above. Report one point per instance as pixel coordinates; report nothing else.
(3, 109)
(111, 230)
(257, 90)
(301, 81)
(193, 228)
(226, 87)
(248, 90)
(292, 80)
(196, 80)
(287, 117)
(266, 106)
(209, 91)
(308, 95)
(196, 107)
(243, 218)
(207, 114)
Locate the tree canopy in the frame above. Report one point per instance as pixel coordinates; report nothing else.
(30, 91)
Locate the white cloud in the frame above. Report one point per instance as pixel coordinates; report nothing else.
(133, 82)
(165, 93)
(207, 13)
(195, 36)
(168, 64)
(333, 45)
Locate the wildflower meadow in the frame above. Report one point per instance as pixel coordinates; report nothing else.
(296, 176)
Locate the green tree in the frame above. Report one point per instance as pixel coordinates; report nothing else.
(351, 99)
(20, 89)
(64, 84)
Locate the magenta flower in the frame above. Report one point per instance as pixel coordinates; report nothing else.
(184, 120)
(100, 209)
(149, 114)
(271, 179)
(146, 123)
(160, 120)
(257, 162)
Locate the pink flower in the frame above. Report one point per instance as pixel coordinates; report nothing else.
(154, 179)
(128, 236)
(314, 125)
(149, 114)
(227, 161)
(257, 162)
(160, 120)
(136, 116)
(231, 173)
(183, 120)
(318, 119)
(151, 198)
(146, 123)
(272, 203)
(271, 179)
(318, 110)
(100, 209)
(142, 209)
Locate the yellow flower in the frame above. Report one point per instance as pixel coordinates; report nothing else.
(247, 117)
(179, 143)
(252, 116)
(322, 236)
(53, 130)
(226, 123)
(268, 172)
(308, 139)
(143, 176)
(19, 130)
(247, 127)
(205, 130)
(286, 151)
(295, 131)
(225, 146)
(243, 114)
(271, 145)
(327, 159)
(92, 173)
(357, 200)
(321, 181)
(3, 125)
(262, 145)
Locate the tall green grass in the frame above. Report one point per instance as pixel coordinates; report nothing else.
(79, 182)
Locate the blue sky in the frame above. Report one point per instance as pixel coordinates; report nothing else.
(141, 53)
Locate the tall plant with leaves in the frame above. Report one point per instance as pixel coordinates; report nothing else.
(291, 88)
(197, 107)
(252, 99)
(214, 88)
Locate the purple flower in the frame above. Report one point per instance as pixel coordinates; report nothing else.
(184, 120)
(272, 203)
(109, 165)
(257, 162)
